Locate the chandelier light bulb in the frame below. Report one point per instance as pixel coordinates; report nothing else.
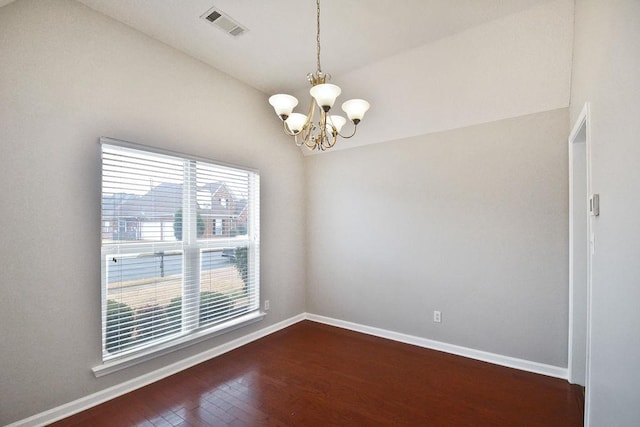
(337, 122)
(283, 104)
(296, 122)
(355, 109)
(325, 95)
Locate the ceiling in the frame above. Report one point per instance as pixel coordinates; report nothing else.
(278, 50)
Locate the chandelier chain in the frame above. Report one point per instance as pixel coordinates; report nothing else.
(318, 35)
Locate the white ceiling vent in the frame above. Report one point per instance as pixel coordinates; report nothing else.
(221, 20)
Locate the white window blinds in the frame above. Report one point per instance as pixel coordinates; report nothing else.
(180, 246)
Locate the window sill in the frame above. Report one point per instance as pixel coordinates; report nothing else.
(123, 362)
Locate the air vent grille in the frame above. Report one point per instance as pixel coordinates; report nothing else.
(236, 31)
(213, 16)
(221, 20)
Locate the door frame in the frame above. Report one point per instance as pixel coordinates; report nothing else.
(581, 123)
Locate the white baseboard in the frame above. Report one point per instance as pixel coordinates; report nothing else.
(496, 359)
(102, 396)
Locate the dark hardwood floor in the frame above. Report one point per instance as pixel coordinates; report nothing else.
(316, 375)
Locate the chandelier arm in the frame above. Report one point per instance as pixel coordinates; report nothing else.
(328, 141)
(308, 138)
(328, 138)
(323, 127)
(312, 112)
(307, 129)
(355, 128)
(305, 136)
(333, 140)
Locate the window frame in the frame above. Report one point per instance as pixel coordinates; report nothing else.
(192, 249)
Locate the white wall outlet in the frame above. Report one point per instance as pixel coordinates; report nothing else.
(266, 305)
(437, 316)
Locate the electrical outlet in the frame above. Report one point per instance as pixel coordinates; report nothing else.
(266, 305)
(437, 317)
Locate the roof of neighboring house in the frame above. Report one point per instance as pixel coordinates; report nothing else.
(212, 187)
(165, 199)
(240, 206)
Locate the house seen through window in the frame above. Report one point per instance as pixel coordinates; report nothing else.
(180, 247)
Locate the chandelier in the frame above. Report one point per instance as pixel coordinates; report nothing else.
(322, 133)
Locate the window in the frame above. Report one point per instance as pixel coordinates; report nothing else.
(172, 270)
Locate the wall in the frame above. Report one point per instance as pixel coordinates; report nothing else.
(605, 73)
(70, 75)
(472, 222)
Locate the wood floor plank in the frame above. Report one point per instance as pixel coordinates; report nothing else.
(315, 375)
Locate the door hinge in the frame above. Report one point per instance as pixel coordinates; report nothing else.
(594, 204)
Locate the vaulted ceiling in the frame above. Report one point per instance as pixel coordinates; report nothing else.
(278, 50)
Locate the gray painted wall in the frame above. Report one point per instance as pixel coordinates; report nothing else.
(472, 222)
(68, 76)
(606, 73)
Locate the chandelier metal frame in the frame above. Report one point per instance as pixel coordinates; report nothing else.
(321, 134)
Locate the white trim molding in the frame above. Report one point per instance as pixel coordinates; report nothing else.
(105, 395)
(496, 359)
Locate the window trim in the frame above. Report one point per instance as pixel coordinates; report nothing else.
(136, 356)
